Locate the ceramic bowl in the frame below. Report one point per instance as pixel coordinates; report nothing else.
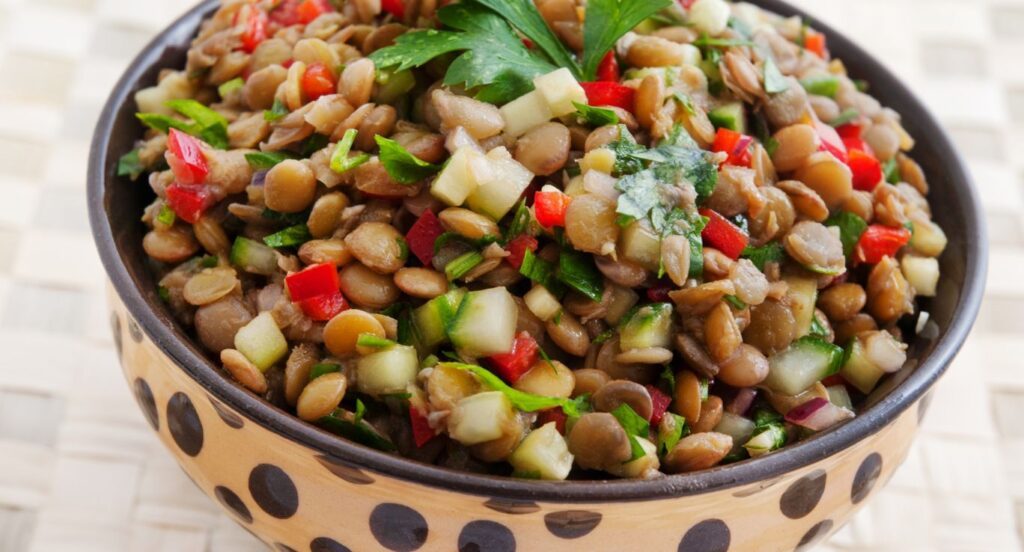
(299, 488)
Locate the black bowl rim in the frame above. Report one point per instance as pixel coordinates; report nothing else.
(775, 465)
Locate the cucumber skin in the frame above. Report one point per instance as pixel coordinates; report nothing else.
(464, 325)
(433, 319)
(832, 361)
(731, 116)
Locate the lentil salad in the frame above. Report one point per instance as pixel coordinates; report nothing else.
(636, 242)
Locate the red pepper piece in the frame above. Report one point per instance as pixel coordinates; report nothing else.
(878, 242)
(556, 415)
(608, 70)
(422, 433)
(610, 94)
(658, 293)
(687, 4)
(831, 141)
(550, 206)
(834, 379)
(815, 43)
(422, 235)
(286, 13)
(660, 401)
(723, 235)
(512, 365)
(313, 281)
(517, 249)
(255, 29)
(867, 171)
(318, 81)
(735, 144)
(189, 202)
(394, 7)
(186, 158)
(324, 307)
(309, 10)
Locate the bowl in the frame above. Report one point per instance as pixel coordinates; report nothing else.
(297, 487)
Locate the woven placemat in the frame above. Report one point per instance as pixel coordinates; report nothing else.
(79, 469)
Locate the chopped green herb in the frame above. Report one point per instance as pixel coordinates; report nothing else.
(606, 22)
(209, 261)
(771, 252)
(340, 161)
(374, 342)
(522, 222)
(635, 427)
(707, 42)
(862, 85)
(685, 101)
(764, 135)
(203, 123)
(603, 336)
(596, 116)
(891, 169)
(668, 376)
(402, 166)
(291, 219)
(541, 272)
(360, 411)
(289, 237)
(526, 402)
(578, 272)
(323, 368)
(314, 144)
(821, 85)
(524, 17)
(677, 429)
(850, 226)
(624, 148)
(343, 423)
(848, 115)
(230, 86)
(266, 159)
(166, 215)
(129, 165)
(735, 302)
(164, 294)
(774, 81)
(276, 112)
(462, 264)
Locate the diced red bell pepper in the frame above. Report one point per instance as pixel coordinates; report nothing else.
(723, 235)
(422, 235)
(318, 81)
(834, 379)
(610, 94)
(867, 171)
(422, 433)
(286, 13)
(556, 415)
(735, 144)
(549, 206)
(878, 242)
(512, 365)
(517, 249)
(831, 141)
(189, 202)
(186, 158)
(815, 43)
(527, 42)
(309, 10)
(850, 135)
(608, 70)
(660, 402)
(313, 281)
(394, 7)
(324, 307)
(287, 63)
(255, 29)
(687, 4)
(658, 293)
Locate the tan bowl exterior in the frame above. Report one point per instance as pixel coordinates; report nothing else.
(295, 498)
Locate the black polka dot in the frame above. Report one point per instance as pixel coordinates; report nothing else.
(710, 535)
(866, 477)
(273, 491)
(398, 528)
(230, 418)
(232, 502)
(803, 495)
(344, 470)
(184, 424)
(284, 548)
(814, 536)
(571, 524)
(513, 507)
(144, 396)
(115, 330)
(486, 536)
(324, 544)
(134, 330)
(922, 407)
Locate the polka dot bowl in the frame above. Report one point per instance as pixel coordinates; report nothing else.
(298, 488)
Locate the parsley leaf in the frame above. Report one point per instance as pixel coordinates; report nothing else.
(774, 82)
(848, 115)
(606, 22)
(340, 160)
(676, 430)
(596, 116)
(494, 60)
(230, 86)
(524, 16)
(635, 426)
(289, 237)
(402, 166)
(130, 165)
(266, 159)
(768, 253)
(527, 402)
(624, 148)
(209, 125)
(850, 226)
(541, 272)
(578, 272)
(276, 111)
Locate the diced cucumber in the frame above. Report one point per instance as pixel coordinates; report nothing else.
(485, 324)
(464, 172)
(737, 427)
(387, 371)
(768, 438)
(802, 294)
(858, 370)
(650, 326)
(480, 418)
(261, 341)
(640, 244)
(560, 89)
(839, 396)
(524, 113)
(807, 361)
(543, 451)
(253, 257)
(637, 468)
(732, 116)
(922, 273)
(433, 317)
(496, 197)
(542, 303)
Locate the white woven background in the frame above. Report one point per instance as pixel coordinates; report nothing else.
(79, 469)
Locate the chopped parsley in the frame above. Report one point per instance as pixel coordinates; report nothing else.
(774, 81)
(129, 165)
(402, 166)
(289, 237)
(596, 116)
(202, 122)
(276, 112)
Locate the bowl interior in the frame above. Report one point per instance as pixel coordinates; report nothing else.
(116, 205)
